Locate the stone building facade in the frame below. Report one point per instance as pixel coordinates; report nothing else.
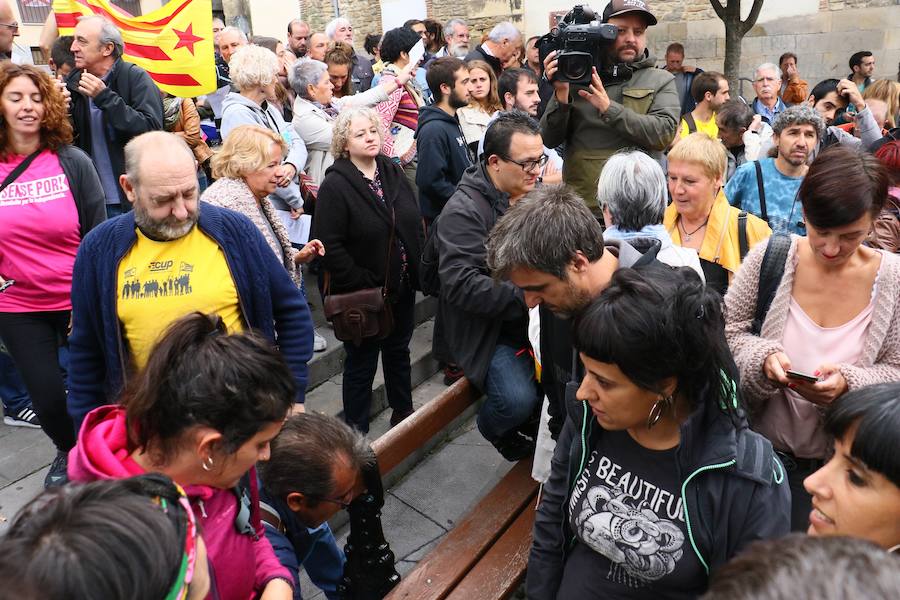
(823, 33)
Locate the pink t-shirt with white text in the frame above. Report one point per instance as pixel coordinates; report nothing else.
(39, 236)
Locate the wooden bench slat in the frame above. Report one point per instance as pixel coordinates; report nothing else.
(401, 441)
(500, 571)
(444, 567)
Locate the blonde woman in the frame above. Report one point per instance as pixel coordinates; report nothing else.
(368, 217)
(247, 169)
(254, 72)
(888, 92)
(700, 217)
(474, 119)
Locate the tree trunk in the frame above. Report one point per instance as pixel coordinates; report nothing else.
(733, 39)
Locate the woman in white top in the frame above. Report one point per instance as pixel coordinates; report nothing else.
(484, 101)
(316, 108)
(632, 193)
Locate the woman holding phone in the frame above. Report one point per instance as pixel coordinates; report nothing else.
(834, 320)
(50, 199)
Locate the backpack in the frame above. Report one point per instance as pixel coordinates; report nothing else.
(692, 125)
(770, 273)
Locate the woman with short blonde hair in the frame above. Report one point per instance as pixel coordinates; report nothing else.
(700, 217)
(247, 169)
(367, 215)
(254, 72)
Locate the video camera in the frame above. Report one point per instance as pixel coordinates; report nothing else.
(582, 42)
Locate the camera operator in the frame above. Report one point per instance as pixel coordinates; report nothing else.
(641, 110)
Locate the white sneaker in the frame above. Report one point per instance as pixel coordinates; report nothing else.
(320, 344)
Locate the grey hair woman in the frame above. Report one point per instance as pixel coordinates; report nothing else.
(632, 193)
(315, 109)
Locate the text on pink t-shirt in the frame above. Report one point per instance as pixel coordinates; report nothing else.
(39, 236)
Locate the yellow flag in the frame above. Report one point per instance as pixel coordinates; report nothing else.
(174, 43)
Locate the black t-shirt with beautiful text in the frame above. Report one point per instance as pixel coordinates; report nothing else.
(628, 518)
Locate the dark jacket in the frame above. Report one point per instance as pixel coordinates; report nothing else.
(131, 106)
(270, 304)
(443, 156)
(85, 186)
(362, 73)
(297, 546)
(479, 54)
(734, 491)
(356, 228)
(472, 304)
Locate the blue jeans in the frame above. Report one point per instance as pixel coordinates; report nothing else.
(12, 391)
(511, 393)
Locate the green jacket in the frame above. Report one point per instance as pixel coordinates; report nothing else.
(643, 112)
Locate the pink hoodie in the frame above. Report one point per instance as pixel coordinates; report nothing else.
(102, 453)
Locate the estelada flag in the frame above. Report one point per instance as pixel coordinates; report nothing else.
(174, 43)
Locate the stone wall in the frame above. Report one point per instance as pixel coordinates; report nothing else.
(823, 41)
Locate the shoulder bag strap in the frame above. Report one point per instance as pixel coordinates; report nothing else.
(762, 192)
(387, 265)
(743, 244)
(20, 168)
(770, 272)
(692, 125)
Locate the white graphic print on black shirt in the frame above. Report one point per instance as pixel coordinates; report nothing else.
(627, 514)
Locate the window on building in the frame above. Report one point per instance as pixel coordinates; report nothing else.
(37, 57)
(34, 12)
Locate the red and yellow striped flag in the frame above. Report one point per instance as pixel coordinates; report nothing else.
(174, 43)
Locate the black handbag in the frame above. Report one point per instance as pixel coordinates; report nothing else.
(361, 314)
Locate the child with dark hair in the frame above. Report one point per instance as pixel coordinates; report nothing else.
(657, 480)
(134, 538)
(202, 411)
(857, 492)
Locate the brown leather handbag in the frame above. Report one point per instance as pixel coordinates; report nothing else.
(361, 314)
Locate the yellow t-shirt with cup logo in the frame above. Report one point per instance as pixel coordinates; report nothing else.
(160, 282)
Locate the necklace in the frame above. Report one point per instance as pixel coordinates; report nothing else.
(687, 234)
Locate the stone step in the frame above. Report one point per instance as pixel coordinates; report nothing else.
(326, 396)
(327, 364)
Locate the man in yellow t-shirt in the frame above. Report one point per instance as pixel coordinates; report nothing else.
(710, 91)
(140, 272)
(167, 277)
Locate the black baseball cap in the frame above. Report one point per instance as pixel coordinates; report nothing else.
(621, 7)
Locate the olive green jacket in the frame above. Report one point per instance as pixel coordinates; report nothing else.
(644, 112)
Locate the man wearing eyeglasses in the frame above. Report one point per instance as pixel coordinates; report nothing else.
(766, 84)
(314, 470)
(485, 321)
(9, 30)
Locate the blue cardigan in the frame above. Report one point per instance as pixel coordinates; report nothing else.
(270, 303)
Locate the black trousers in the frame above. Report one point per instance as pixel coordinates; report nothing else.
(362, 362)
(33, 340)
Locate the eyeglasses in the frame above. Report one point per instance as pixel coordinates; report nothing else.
(14, 26)
(529, 165)
(341, 501)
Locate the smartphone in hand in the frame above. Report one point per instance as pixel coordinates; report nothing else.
(801, 376)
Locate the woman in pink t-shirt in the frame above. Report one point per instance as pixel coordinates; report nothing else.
(46, 208)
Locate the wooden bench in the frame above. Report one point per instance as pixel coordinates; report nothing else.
(485, 554)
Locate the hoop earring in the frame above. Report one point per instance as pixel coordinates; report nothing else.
(656, 411)
(207, 463)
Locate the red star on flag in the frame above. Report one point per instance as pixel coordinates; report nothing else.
(186, 38)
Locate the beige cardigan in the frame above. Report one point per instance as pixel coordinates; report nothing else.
(880, 359)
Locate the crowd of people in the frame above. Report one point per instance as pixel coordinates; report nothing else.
(681, 305)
